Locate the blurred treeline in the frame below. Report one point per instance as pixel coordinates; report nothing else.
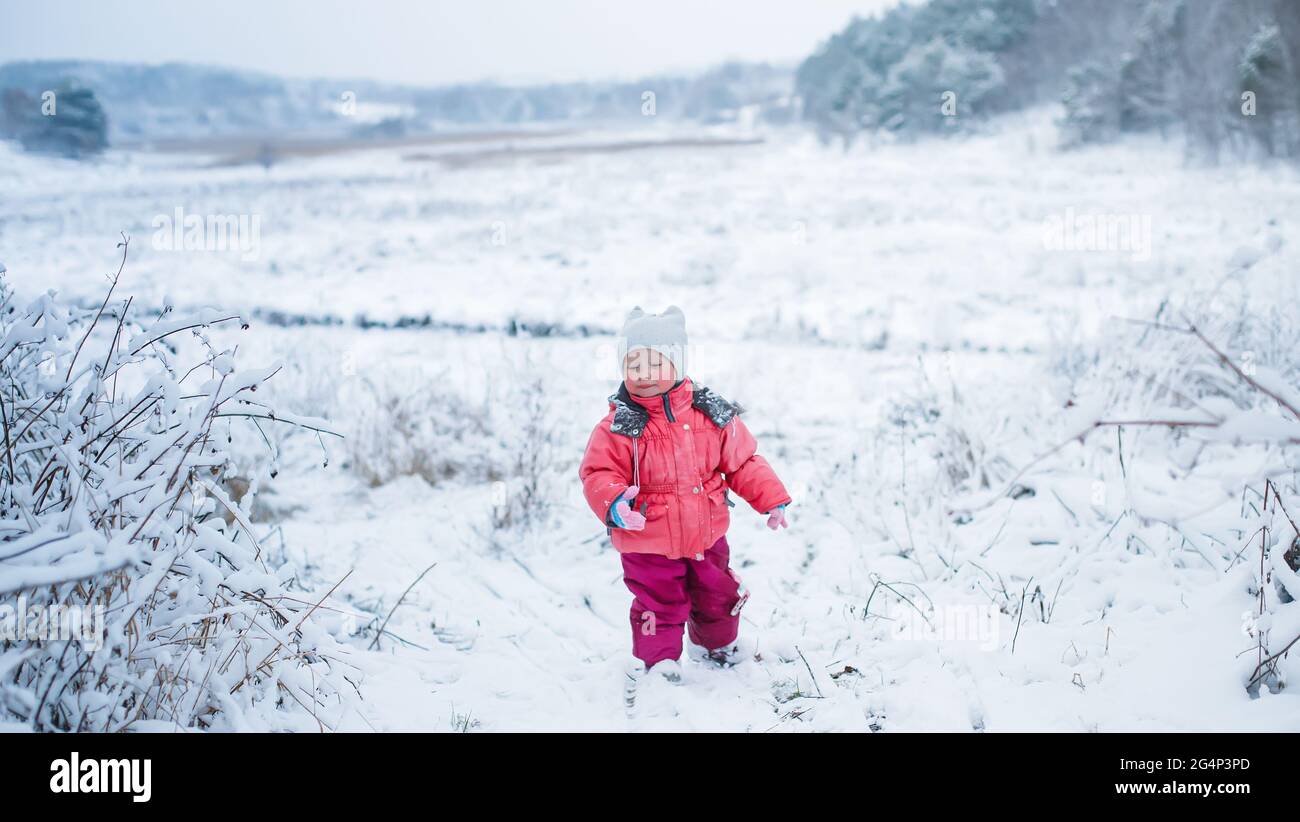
(1224, 73)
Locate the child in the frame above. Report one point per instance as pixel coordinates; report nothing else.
(657, 472)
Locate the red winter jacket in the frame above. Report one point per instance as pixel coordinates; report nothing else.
(691, 447)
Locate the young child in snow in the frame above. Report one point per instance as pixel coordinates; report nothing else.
(657, 472)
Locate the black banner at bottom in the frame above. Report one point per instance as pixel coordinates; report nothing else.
(186, 773)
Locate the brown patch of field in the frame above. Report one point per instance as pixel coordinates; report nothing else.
(559, 153)
(249, 149)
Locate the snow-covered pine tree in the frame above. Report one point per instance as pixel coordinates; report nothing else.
(1091, 112)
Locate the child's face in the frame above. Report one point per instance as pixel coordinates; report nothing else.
(648, 373)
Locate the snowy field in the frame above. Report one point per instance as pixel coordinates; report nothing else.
(896, 319)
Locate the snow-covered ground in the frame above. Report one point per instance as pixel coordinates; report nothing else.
(896, 319)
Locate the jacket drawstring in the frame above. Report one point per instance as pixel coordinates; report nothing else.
(636, 462)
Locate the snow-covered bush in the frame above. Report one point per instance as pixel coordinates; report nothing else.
(525, 494)
(1201, 407)
(965, 449)
(398, 428)
(399, 424)
(112, 532)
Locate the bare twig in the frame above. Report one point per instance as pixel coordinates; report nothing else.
(1021, 615)
(125, 245)
(810, 673)
(1223, 358)
(375, 641)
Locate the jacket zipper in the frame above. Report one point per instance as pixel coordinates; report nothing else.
(668, 410)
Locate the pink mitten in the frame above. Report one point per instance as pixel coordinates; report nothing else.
(776, 518)
(622, 515)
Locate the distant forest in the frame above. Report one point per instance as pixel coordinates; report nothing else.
(1225, 73)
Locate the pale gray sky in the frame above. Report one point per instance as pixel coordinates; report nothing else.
(428, 43)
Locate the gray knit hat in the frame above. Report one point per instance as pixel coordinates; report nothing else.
(665, 333)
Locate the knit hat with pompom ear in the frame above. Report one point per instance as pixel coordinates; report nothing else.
(665, 333)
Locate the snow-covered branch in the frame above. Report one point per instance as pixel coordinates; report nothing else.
(126, 598)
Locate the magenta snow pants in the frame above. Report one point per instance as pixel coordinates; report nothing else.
(670, 593)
